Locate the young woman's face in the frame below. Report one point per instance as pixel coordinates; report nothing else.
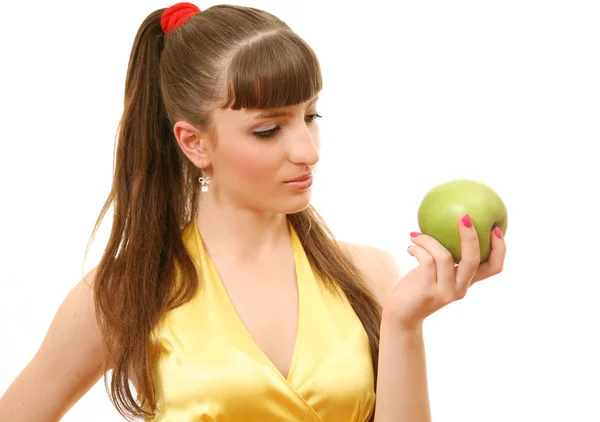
(258, 153)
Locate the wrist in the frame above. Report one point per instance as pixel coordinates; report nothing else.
(389, 320)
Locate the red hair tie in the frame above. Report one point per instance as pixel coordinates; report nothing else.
(176, 15)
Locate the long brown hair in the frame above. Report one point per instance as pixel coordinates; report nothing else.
(236, 57)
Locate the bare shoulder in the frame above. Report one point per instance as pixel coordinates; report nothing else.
(378, 265)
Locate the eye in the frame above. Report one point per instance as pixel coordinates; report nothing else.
(312, 117)
(264, 134)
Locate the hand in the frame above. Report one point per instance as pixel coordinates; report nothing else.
(437, 281)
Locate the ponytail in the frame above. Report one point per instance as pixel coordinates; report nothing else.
(136, 274)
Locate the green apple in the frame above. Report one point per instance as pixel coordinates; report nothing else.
(445, 204)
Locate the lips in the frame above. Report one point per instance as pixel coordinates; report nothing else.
(300, 178)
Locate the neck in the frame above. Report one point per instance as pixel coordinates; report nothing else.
(237, 232)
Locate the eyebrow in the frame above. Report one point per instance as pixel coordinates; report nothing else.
(271, 114)
(280, 113)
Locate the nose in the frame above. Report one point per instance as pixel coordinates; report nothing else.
(304, 146)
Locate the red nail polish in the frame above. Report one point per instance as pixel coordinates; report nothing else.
(498, 232)
(414, 234)
(466, 220)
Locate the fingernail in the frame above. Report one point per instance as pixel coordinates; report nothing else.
(466, 220)
(498, 232)
(414, 234)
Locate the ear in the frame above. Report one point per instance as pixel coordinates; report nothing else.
(193, 142)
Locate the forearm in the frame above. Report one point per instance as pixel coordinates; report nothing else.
(402, 392)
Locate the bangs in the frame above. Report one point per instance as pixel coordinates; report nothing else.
(275, 70)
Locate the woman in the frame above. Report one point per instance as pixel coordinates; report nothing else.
(221, 294)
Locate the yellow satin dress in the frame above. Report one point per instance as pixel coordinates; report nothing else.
(208, 367)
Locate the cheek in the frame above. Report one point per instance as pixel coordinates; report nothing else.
(250, 161)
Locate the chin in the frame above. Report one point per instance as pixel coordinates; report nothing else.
(294, 204)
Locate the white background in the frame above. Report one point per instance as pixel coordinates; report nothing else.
(416, 93)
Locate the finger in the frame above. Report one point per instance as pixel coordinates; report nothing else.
(425, 260)
(444, 263)
(470, 255)
(495, 263)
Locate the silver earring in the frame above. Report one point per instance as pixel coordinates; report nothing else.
(204, 180)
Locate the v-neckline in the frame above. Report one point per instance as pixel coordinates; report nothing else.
(241, 326)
